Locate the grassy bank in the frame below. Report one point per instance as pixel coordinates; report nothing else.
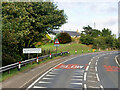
(68, 47)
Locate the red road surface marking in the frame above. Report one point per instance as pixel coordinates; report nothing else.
(70, 66)
(112, 68)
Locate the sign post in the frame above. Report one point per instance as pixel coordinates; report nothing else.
(57, 44)
(32, 50)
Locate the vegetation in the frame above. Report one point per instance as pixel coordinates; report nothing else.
(26, 23)
(63, 38)
(100, 39)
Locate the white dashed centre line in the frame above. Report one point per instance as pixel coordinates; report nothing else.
(96, 69)
(85, 76)
(96, 63)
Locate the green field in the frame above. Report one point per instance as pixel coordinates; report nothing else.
(66, 47)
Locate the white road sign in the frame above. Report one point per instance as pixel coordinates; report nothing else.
(31, 50)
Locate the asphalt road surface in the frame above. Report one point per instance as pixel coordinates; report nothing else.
(96, 70)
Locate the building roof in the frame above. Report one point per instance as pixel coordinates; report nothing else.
(71, 33)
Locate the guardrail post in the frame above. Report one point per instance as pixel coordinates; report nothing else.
(68, 52)
(75, 51)
(19, 66)
(61, 53)
(50, 56)
(37, 60)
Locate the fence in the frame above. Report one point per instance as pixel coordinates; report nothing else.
(11, 66)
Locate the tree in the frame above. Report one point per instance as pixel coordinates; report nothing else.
(63, 38)
(105, 32)
(28, 22)
(99, 42)
(95, 33)
(86, 39)
(87, 30)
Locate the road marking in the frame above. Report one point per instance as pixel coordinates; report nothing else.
(101, 87)
(97, 77)
(77, 79)
(85, 76)
(50, 75)
(87, 68)
(91, 60)
(77, 83)
(96, 63)
(43, 82)
(93, 87)
(92, 81)
(78, 76)
(116, 60)
(96, 69)
(85, 86)
(89, 63)
(45, 73)
(39, 87)
(47, 78)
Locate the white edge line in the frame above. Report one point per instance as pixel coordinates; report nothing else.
(116, 60)
(97, 77)
(85, 76)
(89, 63)
(46, 73)
(87, 68)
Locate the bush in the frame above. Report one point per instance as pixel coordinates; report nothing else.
(86, 39)
(63, 38)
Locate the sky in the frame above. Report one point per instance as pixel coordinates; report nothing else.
(104, 13)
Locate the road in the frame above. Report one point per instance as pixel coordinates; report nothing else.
(97, 70)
